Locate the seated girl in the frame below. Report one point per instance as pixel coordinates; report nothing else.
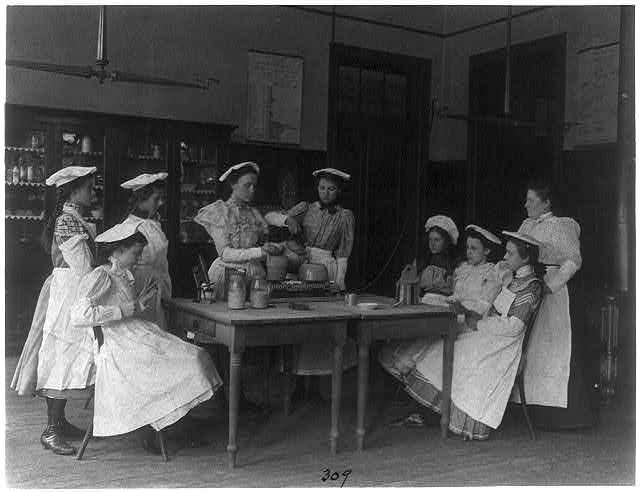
(436, 266)
(144, 375)
(476, 282)
(435, 270)
(485, 361)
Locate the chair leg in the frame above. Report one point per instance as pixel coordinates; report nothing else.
(85, 441)
(523, 403)
(86, 403)
(163, 448)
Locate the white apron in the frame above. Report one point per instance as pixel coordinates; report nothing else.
(26, 374)
(316, 359)
(153, 266)
(65, 359)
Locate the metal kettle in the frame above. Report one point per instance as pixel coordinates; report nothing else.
(408, 286)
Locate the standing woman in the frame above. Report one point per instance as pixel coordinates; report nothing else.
(65, 359)
(328, 230)
(555, 387)
(237, 229)
(152, 266)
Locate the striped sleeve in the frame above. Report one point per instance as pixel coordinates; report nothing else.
(526, 302)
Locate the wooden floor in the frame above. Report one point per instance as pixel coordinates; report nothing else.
(294, 452)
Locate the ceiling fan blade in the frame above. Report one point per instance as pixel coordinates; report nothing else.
(72, 70)
(119, 76)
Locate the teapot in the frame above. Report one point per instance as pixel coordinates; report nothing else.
(408, 286)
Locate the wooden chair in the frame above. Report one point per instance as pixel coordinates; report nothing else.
(99, 336)
(519, 382)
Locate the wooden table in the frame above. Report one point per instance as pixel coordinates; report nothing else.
(276, 325)
(401, 323)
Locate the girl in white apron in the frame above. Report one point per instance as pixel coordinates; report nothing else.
(144, 375)
(65, 356)
(328, 231)
(152, 266)
(485, 361)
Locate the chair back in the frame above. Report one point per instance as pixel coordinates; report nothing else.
(527, 333)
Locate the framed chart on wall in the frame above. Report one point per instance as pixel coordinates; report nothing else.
(274, 106)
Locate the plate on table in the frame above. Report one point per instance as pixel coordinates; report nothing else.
(434, 300)
(368, 306)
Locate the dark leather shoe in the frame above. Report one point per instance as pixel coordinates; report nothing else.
(69, 430)
(52, 439)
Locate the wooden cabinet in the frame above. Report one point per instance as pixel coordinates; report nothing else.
(121, 147)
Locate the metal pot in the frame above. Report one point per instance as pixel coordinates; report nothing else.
(313, 272)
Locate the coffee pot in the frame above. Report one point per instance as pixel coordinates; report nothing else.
(408, 286)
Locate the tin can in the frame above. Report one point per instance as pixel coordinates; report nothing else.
(351, 299)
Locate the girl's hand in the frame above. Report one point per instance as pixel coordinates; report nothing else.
(272, 249)
(292, 225)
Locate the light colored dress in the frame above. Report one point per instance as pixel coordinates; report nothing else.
(485, 362)
(237, 229)
(65, 358)
(25, 376)
(475, 286)
(329, 235)
(153, 266)
(546, 374)
(144, 375)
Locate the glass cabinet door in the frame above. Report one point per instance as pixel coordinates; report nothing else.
(85, 147)
(199, 186)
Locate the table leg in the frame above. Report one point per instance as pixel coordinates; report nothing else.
(363, 389)
(266, 365)
(235, 365)
(447, 374)
(287, 353)
(336, 393)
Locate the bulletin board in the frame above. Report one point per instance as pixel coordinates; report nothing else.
(274, 106)
(598, 93)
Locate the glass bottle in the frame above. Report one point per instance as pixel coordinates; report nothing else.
(23, 170)
(16, 173)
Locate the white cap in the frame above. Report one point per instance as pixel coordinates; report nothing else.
(68, 174)
(525, 238)
(235, 167)
(118, 232)
(335, 172)
(489, 236)
(143, 180)
(443, 222)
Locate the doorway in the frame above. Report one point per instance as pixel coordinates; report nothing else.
(505, 153)
(378, 133)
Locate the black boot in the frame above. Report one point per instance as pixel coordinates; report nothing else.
(52, 438)
(67, 429)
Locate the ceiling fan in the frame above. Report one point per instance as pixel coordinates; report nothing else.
(101, 73)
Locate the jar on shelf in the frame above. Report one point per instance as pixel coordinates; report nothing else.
(15, 173)
(23, 170)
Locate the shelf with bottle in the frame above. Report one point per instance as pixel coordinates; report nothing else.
(24, 168)
(80, 153)
(30, 150)
(24, 217)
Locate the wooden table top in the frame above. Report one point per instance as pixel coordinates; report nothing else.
(328, 308)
